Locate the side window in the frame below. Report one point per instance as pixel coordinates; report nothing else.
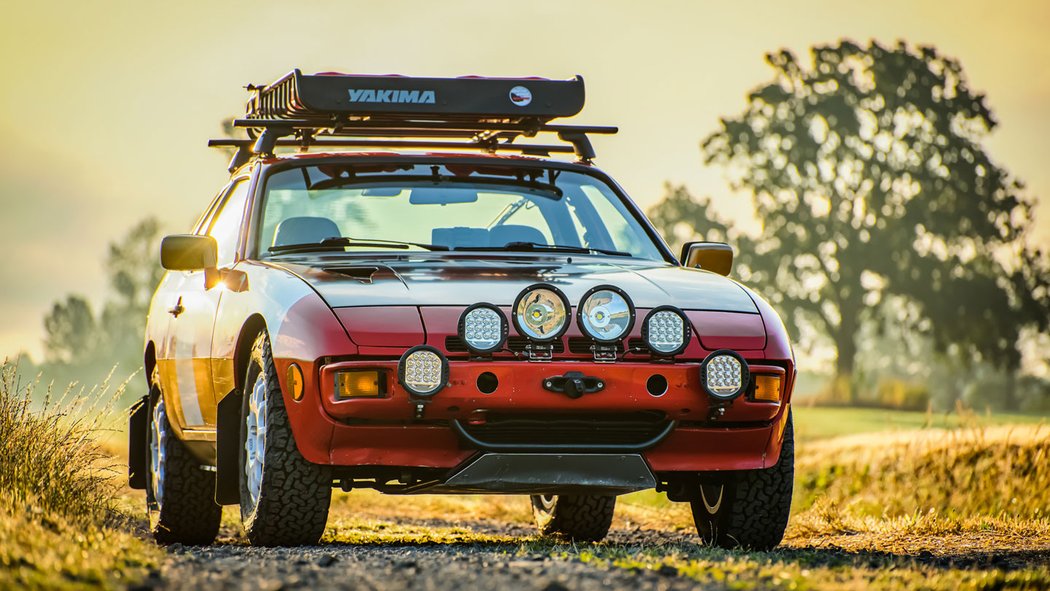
(226, 226)
(202, 222)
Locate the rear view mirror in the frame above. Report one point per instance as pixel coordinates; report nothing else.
(442, 195)
(716, 257)
(188, 252)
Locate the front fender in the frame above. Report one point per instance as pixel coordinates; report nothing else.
(303, 330)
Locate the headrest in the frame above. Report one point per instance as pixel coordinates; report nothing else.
(303, 230)
(502, 235)
(460, 236)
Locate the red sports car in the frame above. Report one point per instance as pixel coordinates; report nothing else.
(398, 304)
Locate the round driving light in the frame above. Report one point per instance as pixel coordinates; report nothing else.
(541, 313)
(665, 331)
(724, 374)
(605, 314)
(483, 328)
(423, 371)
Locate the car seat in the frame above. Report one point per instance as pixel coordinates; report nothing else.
(460, 236)
(304, 230)
(507, 233)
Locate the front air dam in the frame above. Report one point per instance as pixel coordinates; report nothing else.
(550, 473)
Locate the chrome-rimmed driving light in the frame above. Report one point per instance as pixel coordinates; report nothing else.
(541, 313)
(423, 371)
(605, 314)
(666, 331)
(483, 328)
(724, 374)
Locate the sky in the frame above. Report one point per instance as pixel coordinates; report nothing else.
(106, 107)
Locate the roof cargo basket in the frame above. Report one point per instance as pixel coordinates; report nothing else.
(341, 110)
(471, 99)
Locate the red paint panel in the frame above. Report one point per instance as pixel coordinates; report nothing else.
(392, 326)
(776, 438)
(778, 345)
(443, 321)
(325, 441)
(521, 390)
(401, 445)
(728, 330)
(692, 450)
(311, 427)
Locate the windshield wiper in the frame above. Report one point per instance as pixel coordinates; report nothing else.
(537, 247)
(341, 242)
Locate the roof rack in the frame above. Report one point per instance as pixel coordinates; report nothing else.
(345, 110)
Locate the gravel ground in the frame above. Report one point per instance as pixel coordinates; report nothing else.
(429, 566)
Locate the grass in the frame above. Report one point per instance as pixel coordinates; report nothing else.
(999, 471)
(59, 526)
(818, 422)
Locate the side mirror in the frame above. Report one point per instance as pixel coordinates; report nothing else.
(188, 252)
(716, 257)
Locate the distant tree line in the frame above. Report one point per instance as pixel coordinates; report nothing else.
(882, 215)
(84, 344)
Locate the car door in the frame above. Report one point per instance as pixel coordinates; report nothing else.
(194, 317)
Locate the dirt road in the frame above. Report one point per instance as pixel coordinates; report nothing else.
(493, 556)
(436, 554)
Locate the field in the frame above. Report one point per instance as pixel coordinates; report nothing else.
(882, 500)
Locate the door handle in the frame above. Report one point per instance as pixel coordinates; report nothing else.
(177, 309)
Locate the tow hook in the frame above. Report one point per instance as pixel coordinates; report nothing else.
(574, 384)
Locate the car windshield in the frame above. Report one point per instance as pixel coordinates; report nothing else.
(450, 206)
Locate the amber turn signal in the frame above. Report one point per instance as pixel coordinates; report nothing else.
(358, 384)
(294, 380)
(767, 388)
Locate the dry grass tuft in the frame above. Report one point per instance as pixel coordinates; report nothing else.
(49, 457)
(59, 526)
(998, 472)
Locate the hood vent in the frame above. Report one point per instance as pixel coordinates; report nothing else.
(362, 274)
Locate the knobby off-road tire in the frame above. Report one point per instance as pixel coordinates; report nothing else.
(284, 498)
(582, 518)
(749, 509)
(180, 495)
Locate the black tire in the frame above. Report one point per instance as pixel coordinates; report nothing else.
(581, 518)
(293, 495)
(180, 495)
(748, 509)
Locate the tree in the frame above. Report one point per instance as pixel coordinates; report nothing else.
(869, 177)
(84, 346)
(71, 333)
(680, 217)
(134, 272)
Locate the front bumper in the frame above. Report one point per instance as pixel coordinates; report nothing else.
(394, 431)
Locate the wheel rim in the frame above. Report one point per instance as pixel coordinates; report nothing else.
(547, 501)
(255, 439)
(157, 443)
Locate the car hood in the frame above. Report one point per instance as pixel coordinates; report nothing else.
(444, 280)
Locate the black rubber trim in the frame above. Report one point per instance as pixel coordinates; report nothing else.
(619, 447)
(138, 427)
